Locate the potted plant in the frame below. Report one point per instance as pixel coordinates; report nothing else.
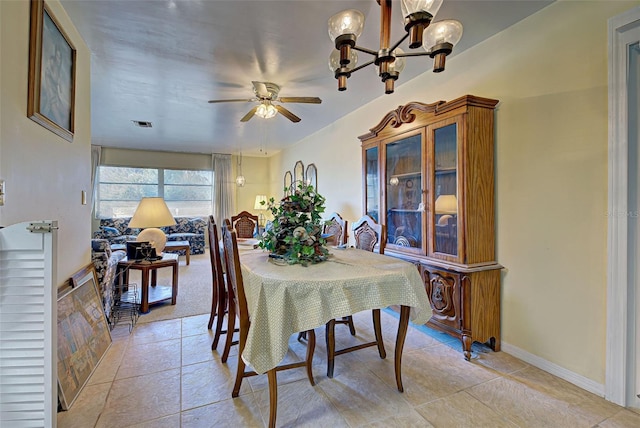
(296, 232)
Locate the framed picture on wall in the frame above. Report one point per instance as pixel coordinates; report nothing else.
(52, 70)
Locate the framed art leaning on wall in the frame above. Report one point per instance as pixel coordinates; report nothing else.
(52, 70)
(83, 334)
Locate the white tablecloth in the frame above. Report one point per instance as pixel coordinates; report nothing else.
(285, 299)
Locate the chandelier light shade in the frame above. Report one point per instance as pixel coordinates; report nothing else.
(438, 40)
(151, 214)
(240, 178)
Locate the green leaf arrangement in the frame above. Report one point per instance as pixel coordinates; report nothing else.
(296, 233)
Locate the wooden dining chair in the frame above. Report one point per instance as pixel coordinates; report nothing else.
(245, 224)
(238, 308)
(369, 236)
(336, 227)
(219, 301)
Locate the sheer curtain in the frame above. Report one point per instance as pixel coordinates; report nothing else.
(223, 188)
(96, 153)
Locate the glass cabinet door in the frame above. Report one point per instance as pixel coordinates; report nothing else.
(403, 204)
(372, 187)
(445, 189)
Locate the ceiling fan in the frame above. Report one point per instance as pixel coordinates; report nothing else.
(266, 93)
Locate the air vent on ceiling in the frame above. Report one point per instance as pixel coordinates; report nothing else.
(142, 123)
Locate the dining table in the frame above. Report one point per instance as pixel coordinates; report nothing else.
(284, 299)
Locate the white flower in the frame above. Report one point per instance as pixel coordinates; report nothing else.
(300, 233)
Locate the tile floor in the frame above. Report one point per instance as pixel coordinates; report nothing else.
(164, 374)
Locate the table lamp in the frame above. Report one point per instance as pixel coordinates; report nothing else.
(261, 207)
(151, 214)
(446, 204)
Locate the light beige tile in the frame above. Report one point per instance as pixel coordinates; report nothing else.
(86, 409)
(623, 419)
(234, 412)
(431, 374)
(361, 397)
(149, 358)
(196, 349)
(301, 405)
(172, 421)
(156, 331)
(209, 382)
(108, 367)
(462, 410)
(196, 325)
(142, 398)
(527, 406)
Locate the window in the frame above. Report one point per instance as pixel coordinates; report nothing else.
(187, 192)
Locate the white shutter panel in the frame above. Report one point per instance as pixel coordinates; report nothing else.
(28, 313)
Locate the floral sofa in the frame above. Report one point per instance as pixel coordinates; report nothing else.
(116, 231)
(105, 261)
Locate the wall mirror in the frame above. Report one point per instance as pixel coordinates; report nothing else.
(288, 180)
(311, 176)
(298, 173)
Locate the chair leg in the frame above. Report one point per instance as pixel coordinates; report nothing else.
(311, 346)
(331, 346)
(222, 310)
(273, 397)
(214, 305)
(231, 323)
(352, 328)
(378, 330)
(242, 341)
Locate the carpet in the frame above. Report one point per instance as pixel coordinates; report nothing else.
(194, 290)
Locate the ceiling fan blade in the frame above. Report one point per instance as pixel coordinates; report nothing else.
(249, 115)
(286, 113)
(235, 100)
(306, 100)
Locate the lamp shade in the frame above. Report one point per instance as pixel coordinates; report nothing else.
(259, 200)
(414, 6)
(447, 204)
(152, 212)
(448, 31)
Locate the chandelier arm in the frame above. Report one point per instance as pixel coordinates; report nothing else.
(393, 48)
(365, 50)
(405, 54)
(361, 66)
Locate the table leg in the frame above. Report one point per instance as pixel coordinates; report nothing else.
(403, 325)
(144, 294)
(174, 284)
(154, 277)
(188, 255)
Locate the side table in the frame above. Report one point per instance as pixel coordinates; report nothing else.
(150, 291)
(177, 246)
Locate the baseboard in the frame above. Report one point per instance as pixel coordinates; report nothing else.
(554, 369)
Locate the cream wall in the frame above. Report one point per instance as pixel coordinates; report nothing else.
(256, 172)
(550, 74)
(44, 173)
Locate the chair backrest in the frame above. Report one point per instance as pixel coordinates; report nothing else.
(368, 234)
(245, 224)
(234, 273)
(214, 251)
(337, 228)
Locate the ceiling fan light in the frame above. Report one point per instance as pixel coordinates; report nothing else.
(266, 111)
(348, 21)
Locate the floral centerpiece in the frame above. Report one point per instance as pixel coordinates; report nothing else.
(296, 233)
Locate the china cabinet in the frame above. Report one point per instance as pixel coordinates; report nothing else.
(428, 175)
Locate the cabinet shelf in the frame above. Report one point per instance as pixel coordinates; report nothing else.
(407, 175)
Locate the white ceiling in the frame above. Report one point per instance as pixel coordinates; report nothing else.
(161, 60)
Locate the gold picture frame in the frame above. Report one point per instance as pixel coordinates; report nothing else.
(52, 73)
(83, 334)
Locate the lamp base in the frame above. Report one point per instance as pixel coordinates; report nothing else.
(156, 237)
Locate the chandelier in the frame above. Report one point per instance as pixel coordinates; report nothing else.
(437, 39)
